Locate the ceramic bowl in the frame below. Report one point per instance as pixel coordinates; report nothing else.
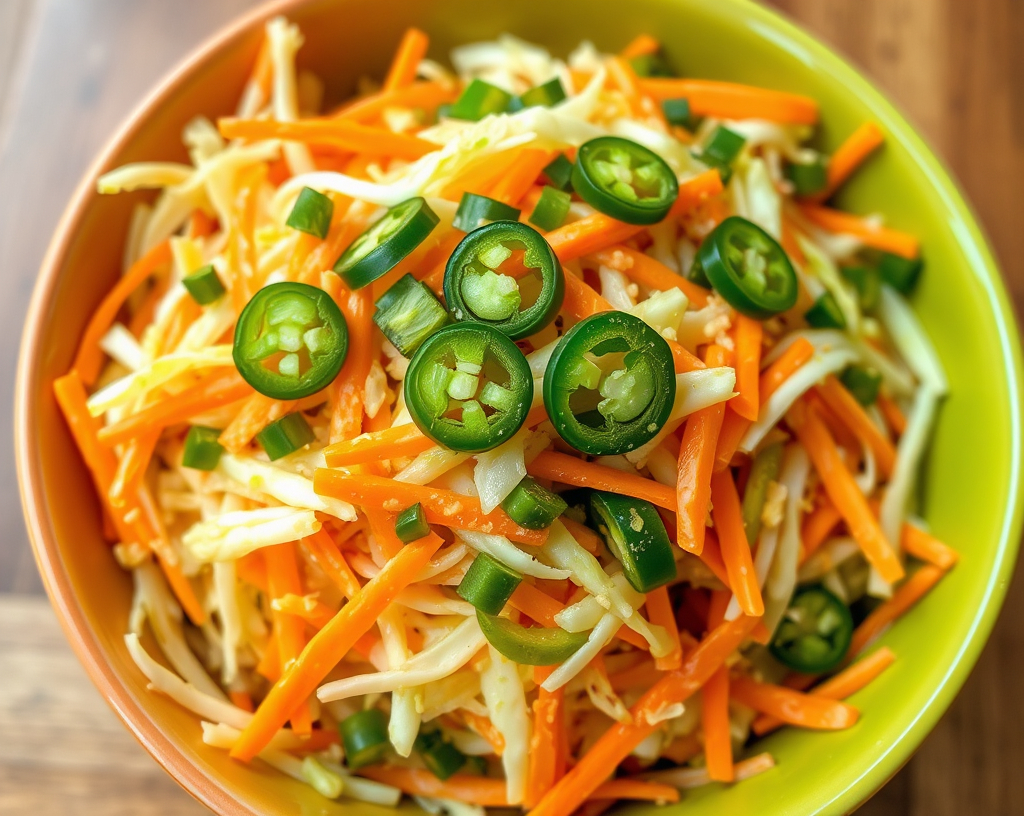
(972, 476)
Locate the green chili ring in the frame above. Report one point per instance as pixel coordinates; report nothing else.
(476, 291)
(386, 242)
(475, 369)
(815, 633)
(624, 180)
(290, 341)
(635, 534)
(637, 403)
(530, 647)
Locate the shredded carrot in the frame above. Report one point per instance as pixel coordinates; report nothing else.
(241, 699)
(262, 75)
(485, 728)
(893, 415)
(793, 707)
(926, 547)
(621, 739)
(843, 491)
(411, 51)
(330, 644)
(347, 399)
(208, 394)
(546, 741)
(748, 366)
(695, 463)
(310, 610)
(729, 100)
(390, 443)
(588, 235)
(725, 510)
(443, 507)
(695, 192)
(542, 608)
(852, 414)
(640, 46)
(884, 238)
(256, 413)
(424, 95)
(585, 537)
(382, 525)
(561, 467)
(514, 184)
(650, 272)
(850, 155)
(734, 427)
(90, 356)
(851, 679)
(660, 613)
(283, 579)
(816, 528)
(906, 595)
(473, 790)
(241, 246)
(481, 175)
(341, 134)
(715, 722)
(132, 467)
(645, 674)
(621, 73)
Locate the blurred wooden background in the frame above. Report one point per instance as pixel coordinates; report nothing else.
(71, 70)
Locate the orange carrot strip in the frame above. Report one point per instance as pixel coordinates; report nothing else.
(849, 680)
(748, 366)
(728, 100)
(473, 790)
(132, 467)
(636, 789)
(89, 359)
(542, 608)
(561, 467)
(622, 738)
(200, 225)
(514, 184)
(310, 610)
(695, 192)
(212, 392)
(391, 443)
(884, 238)
(411, 51)
(331, 644)
(639, 46)
(382, 525)
(817, 527)
(337, 133)
(850, 155)
(793, 707)
(926, 547)
(715, 722)
(256, 413)
(852, 414)
(322, 551)
(585, 537)
(443, 507)
(485, 728)
(644, 674)
(349, 387)
(893, 415)
(283, 579)
(844, 493)
(650, 272)
(906, 595)
(426, 95)
(660, 613)
(588, 235)
(725, 510)
(734, 426)
(481, 175)
(102, 464)
(241, 699)
(546, 739)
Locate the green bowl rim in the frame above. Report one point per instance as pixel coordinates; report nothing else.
(770, 24)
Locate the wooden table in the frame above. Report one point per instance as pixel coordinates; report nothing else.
(70, 70)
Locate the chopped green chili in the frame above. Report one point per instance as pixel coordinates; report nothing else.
(763, 472)
(864, 383)
(809, 177)
(530, 647)
(868, 284)
(488, 584)
(411, 524)
(408, 313)
(635, 534)
(551, 210)
(287, 435)
(365, 737)
(559, 172)
(202, 448)
(533, 506)
(825, 313)
(311, 213)
(815, 632)
(475, 210)
(204, 285)
(902, 274)
(480, 99)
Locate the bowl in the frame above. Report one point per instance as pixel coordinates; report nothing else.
(971, 483)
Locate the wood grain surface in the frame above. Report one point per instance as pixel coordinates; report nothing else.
(71, 70)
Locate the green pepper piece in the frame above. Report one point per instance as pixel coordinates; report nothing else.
(721, 150)
(365, 737)
(544, 95)
(285, 436)
(530, 647)
(204, 285)
(552, 208)
(559, 172)
(480, 99)
(532, 505)
(864, 383)
(474, 210)
(748, 268)
(488, 584)
(764, 470)
(624, 180)
(677, 112)
(411, 524)
(290, 341)
(384, 244)
(408, 313)
(311, 213)
(810, 177)
(868, 284)
(638, 394)
(651, 65)
(202, 448)
(441, 757)
(815, 632)
(497, 379)
(902, 274)
(635, 534)
(477, 291)
(825, 313)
